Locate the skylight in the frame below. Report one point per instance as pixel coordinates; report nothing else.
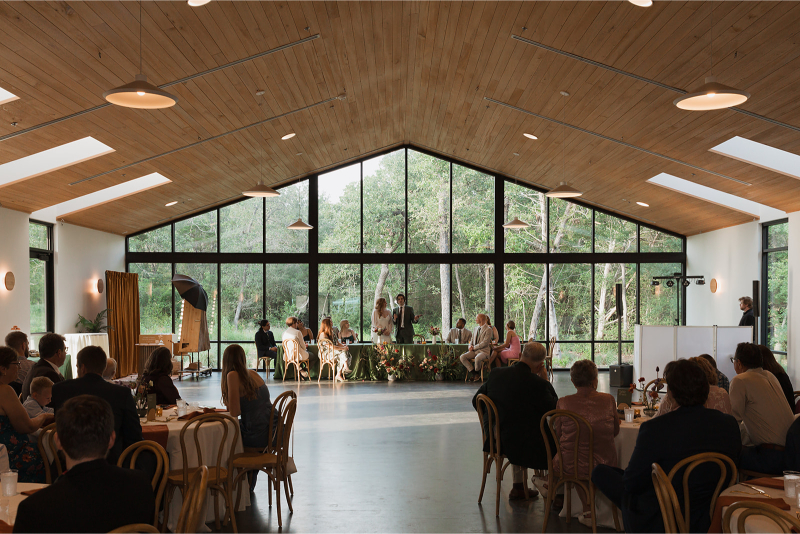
(760, 155)
(5, 96)
(109, 194)
(679, 185)
(51, 159)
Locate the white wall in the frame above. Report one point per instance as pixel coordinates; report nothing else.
(15, 304)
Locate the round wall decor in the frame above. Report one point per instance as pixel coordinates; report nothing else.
(10, 281)
(713, 285)
(100, 285)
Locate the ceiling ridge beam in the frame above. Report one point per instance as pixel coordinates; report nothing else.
(643, 79)
(163, 86)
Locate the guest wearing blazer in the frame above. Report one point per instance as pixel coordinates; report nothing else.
(265, 341)
(666, 440)
(91, 364)
(52, 354)
(459, 335)
(404, 320)
(480, 349)
(93, 495)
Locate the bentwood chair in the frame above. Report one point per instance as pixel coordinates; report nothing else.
(159, 480)
(135, 527)
(266, 360)
(194, 502)
(272, 460)
(567, 474)
(327, 356)
(489, 420)
(49, 453)
(674, 519)
(785, 521)
(291, 356)
(218, 473)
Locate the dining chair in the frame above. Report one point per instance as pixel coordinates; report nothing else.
(784, 520)
(218, 473)
(291, 356)
(47, 445)
(194, 502)
(135, 527)
(266, 360)
(159, 480)
(327, 356)
(489, 420)
(567, 474)
(272, 460)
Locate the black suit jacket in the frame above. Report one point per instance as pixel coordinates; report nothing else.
(126, 420)
(91, 497)
(666, 440)
(408, 328)
(748, 318)
(522, 398)
(40, 368)
(264, 342)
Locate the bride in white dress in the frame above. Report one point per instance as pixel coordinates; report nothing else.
(381, 322)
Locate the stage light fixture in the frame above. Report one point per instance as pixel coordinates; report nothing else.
(670, 283)
(655, 283)
(701, 282)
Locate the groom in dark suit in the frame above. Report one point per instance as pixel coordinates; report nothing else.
(404, 320)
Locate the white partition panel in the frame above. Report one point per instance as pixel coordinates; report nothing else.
(694, 341)
(654, 346)
(727, 339)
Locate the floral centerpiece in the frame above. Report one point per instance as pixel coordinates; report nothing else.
(650, 395)
(141, 394)
(435, 332)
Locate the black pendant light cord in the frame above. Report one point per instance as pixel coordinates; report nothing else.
(140, 37)
(711, 32)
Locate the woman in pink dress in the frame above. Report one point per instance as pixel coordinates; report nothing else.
(600, 409)
(510, 349)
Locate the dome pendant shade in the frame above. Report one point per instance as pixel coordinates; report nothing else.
(299, 225)
(516, 223)
(563, 191)
(140, 94)
(261, 190)
(711, 95)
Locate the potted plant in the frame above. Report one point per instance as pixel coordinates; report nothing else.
(92, 327)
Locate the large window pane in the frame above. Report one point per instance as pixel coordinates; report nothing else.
(658, 304)
(38, 236)
(570, 227)
(38, 273)
(606, 354)
(283, 211)
(777, 235)
(570, 296)
(777, 303)
(612, 234)
(565, 354)
(158, 240)
(428, 203)
(429, 295)
(206, 275)
(654, 241)
(242, 300)
(529, 206)
(606, 315)
(473, 292)
(287, 295)
(380, 280)
(155, 297)
(384, 203)
(198, 234)
(340, 210)
(340, 294)
(526, 299)
(473, 210)
(242, 226)
(250, 353)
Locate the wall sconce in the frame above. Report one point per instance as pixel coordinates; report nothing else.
(100, 286)
(714, 285)
(9, 280)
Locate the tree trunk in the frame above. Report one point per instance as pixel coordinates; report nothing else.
(242, 285)
(379, 286)
(601, 302)
(444, 248)
(460, 293)
(624, 302)
(488, 292)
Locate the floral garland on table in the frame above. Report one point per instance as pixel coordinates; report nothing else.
(650, 398)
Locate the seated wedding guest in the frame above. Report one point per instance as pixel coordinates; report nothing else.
(52, 355)
(722, 380)
(718, 398)
(18, 341)
(93, 495)
(334, 328)
(495, 333)
(769, 363)
(510, 349)
(308, 334)
(522, 398)
(292, 332)
(91, 363)
(36, 404)
(480, 349)
(757, 400)
(111, 370)
(347, 334)
(666, 440)
(265, 341)
(459, 335)
(340, 351)
(158, 371)
(600, 409)
(15, 425)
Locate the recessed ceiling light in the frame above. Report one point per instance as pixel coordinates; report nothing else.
(288, 136)
(259, 92)
(299, 154)
(198, 3)
(643, 204)
(168, 204)
(641, 3)
(516, 153)
(530, 136)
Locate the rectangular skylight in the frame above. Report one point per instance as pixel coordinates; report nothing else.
(679, 185)
(760, 155)
(5, 96)
(109, 194)
(51, 159)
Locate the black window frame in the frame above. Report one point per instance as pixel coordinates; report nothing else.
(766, 250)
(46, 255)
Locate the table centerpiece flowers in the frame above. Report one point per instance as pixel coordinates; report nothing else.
(650, 393)
(396, 367)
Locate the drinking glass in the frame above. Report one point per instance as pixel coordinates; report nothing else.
(629, 415)
(181, 407)
(790, 478)
(8, 480)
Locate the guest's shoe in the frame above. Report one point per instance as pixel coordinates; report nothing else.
(517, 492)
(558, 503)
(585, 519)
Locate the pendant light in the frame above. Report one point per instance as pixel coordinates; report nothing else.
(140, 94)
(563, 190)
(712, 94)
(516, 224)
(261, 190)
(299, 225)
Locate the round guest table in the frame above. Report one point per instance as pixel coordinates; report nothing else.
(13, 502)
(758, 524)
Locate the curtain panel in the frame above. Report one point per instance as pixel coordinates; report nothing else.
(123, 319)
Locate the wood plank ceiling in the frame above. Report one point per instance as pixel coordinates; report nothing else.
(412, 72)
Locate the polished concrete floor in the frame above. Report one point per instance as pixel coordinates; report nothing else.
(388, 457)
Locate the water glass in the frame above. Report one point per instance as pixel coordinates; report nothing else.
(790, 479)
(181, 407)
(8, 480)
(629, 415)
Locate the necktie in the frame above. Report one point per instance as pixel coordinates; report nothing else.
(402, 317)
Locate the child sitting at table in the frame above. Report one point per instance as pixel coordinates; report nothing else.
(41, 394)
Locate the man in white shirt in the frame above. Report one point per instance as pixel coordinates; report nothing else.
(292, 332)
(18, 341)
(481, 349)
(459, 334)
(759, 406)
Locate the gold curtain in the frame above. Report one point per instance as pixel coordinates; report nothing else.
(123, 315)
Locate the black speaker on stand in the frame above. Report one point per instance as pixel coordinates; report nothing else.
(620, 375)
(756, 308)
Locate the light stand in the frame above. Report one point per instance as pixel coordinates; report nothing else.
(681, 281)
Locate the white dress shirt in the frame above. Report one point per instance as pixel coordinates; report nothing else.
(294, 333)
(758, 401)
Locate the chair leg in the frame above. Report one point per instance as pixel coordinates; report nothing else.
(499, 477)
(486, 467)
(568, 499)
(548, 501)
(291, 488)
(237, 481)
(525, 482)
(288, 497)
(167, 501)
(278, 500)
(592, 508)
(216, 509)
(229, 505)
(269, 490)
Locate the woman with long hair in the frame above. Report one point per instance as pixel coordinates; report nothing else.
(347, 334)
(510, 349)
(339, 350)
(158, 370)
(771, 364)
(246, 396)
(308, 334)
(381, 322)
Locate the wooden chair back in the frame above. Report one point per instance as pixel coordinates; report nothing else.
(784, 520)
(489, 418)
(159, 480)
(194, 500)
(48, 451)
(217, 460)
(583, 429)
(327, 356)
(135, 527)
(278, 407)
(667, 501)
(291, 356)
(284, 432)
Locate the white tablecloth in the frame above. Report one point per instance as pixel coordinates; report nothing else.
(10, 515)
(758, 523)
(76, 342)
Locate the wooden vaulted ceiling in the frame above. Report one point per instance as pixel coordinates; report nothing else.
(412, 73)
